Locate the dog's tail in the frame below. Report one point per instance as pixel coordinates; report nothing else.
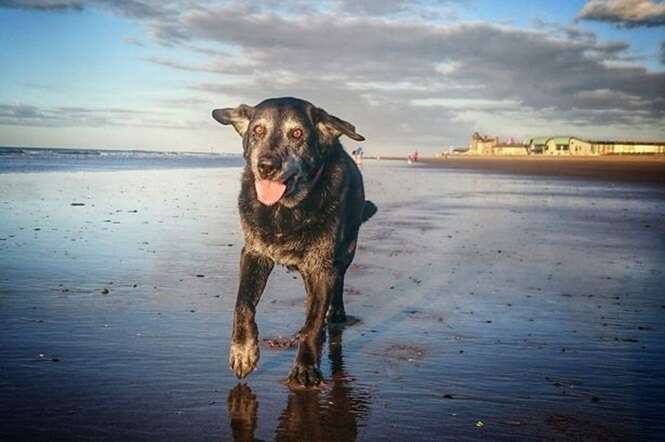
(369, 210)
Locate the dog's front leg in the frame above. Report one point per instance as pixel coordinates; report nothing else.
(320, 286)
(244, 351)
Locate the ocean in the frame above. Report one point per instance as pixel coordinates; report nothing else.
(34, 159)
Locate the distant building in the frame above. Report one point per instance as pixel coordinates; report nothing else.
(628, 147)
(481, 145)
(560, 146)
(570, 145)
(536, 145)
(510, 149)
(567, 145)
(580, 147)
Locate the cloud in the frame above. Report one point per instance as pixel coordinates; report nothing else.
(128, 8)
(217, 66)
(184, 102)
(74, 116)
(141, 8)
(388, 7)
(628, 13)
(373, 7)
(448, 62)
(44, 5)
(468, 104)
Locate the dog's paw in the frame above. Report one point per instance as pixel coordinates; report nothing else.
(305, 375)
(243, 358)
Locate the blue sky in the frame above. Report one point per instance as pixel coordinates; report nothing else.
(145, 74)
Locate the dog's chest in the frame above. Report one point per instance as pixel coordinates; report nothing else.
(290, 247)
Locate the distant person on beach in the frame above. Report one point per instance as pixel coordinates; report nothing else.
(413, 157)
(357, 155)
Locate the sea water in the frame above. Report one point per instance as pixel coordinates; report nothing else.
(34, 159)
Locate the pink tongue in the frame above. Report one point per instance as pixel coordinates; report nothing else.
(269, 192)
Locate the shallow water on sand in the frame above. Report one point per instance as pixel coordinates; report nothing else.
(485, 307)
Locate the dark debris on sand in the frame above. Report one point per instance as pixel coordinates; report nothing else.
(280, 343)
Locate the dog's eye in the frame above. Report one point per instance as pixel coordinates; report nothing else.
(296, 133)
(259, 130)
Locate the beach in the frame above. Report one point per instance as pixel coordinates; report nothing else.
(644, 169)
(486, 303)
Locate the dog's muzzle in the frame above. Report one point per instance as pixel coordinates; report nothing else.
(269, 167)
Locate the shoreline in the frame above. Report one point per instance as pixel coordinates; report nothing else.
(637, 169)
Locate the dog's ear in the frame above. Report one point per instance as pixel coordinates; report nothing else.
(330, 127)
(239, 117)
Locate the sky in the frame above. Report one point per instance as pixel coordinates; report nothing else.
(145, 74)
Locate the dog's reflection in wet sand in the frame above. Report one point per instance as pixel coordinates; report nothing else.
(243, 408)
(331, 413)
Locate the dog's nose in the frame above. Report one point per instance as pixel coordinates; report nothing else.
(269, 166)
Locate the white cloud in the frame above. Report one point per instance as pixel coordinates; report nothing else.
(45, 5)
(467, 103)
(629, 13)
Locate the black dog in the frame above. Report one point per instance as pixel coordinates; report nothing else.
(301, 204)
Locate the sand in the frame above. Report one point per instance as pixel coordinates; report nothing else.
(646, 169)
(486, 306)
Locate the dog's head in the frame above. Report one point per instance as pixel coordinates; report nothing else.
(285, 143)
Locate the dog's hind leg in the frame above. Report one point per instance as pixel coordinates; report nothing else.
(336, 313)
(244, 351)
(320, 285)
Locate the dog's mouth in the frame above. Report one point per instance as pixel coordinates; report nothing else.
(270, 192)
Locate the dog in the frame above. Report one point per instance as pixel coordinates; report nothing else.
(301, 205)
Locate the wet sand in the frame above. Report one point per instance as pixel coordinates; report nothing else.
(486, 306)
(646, 169)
